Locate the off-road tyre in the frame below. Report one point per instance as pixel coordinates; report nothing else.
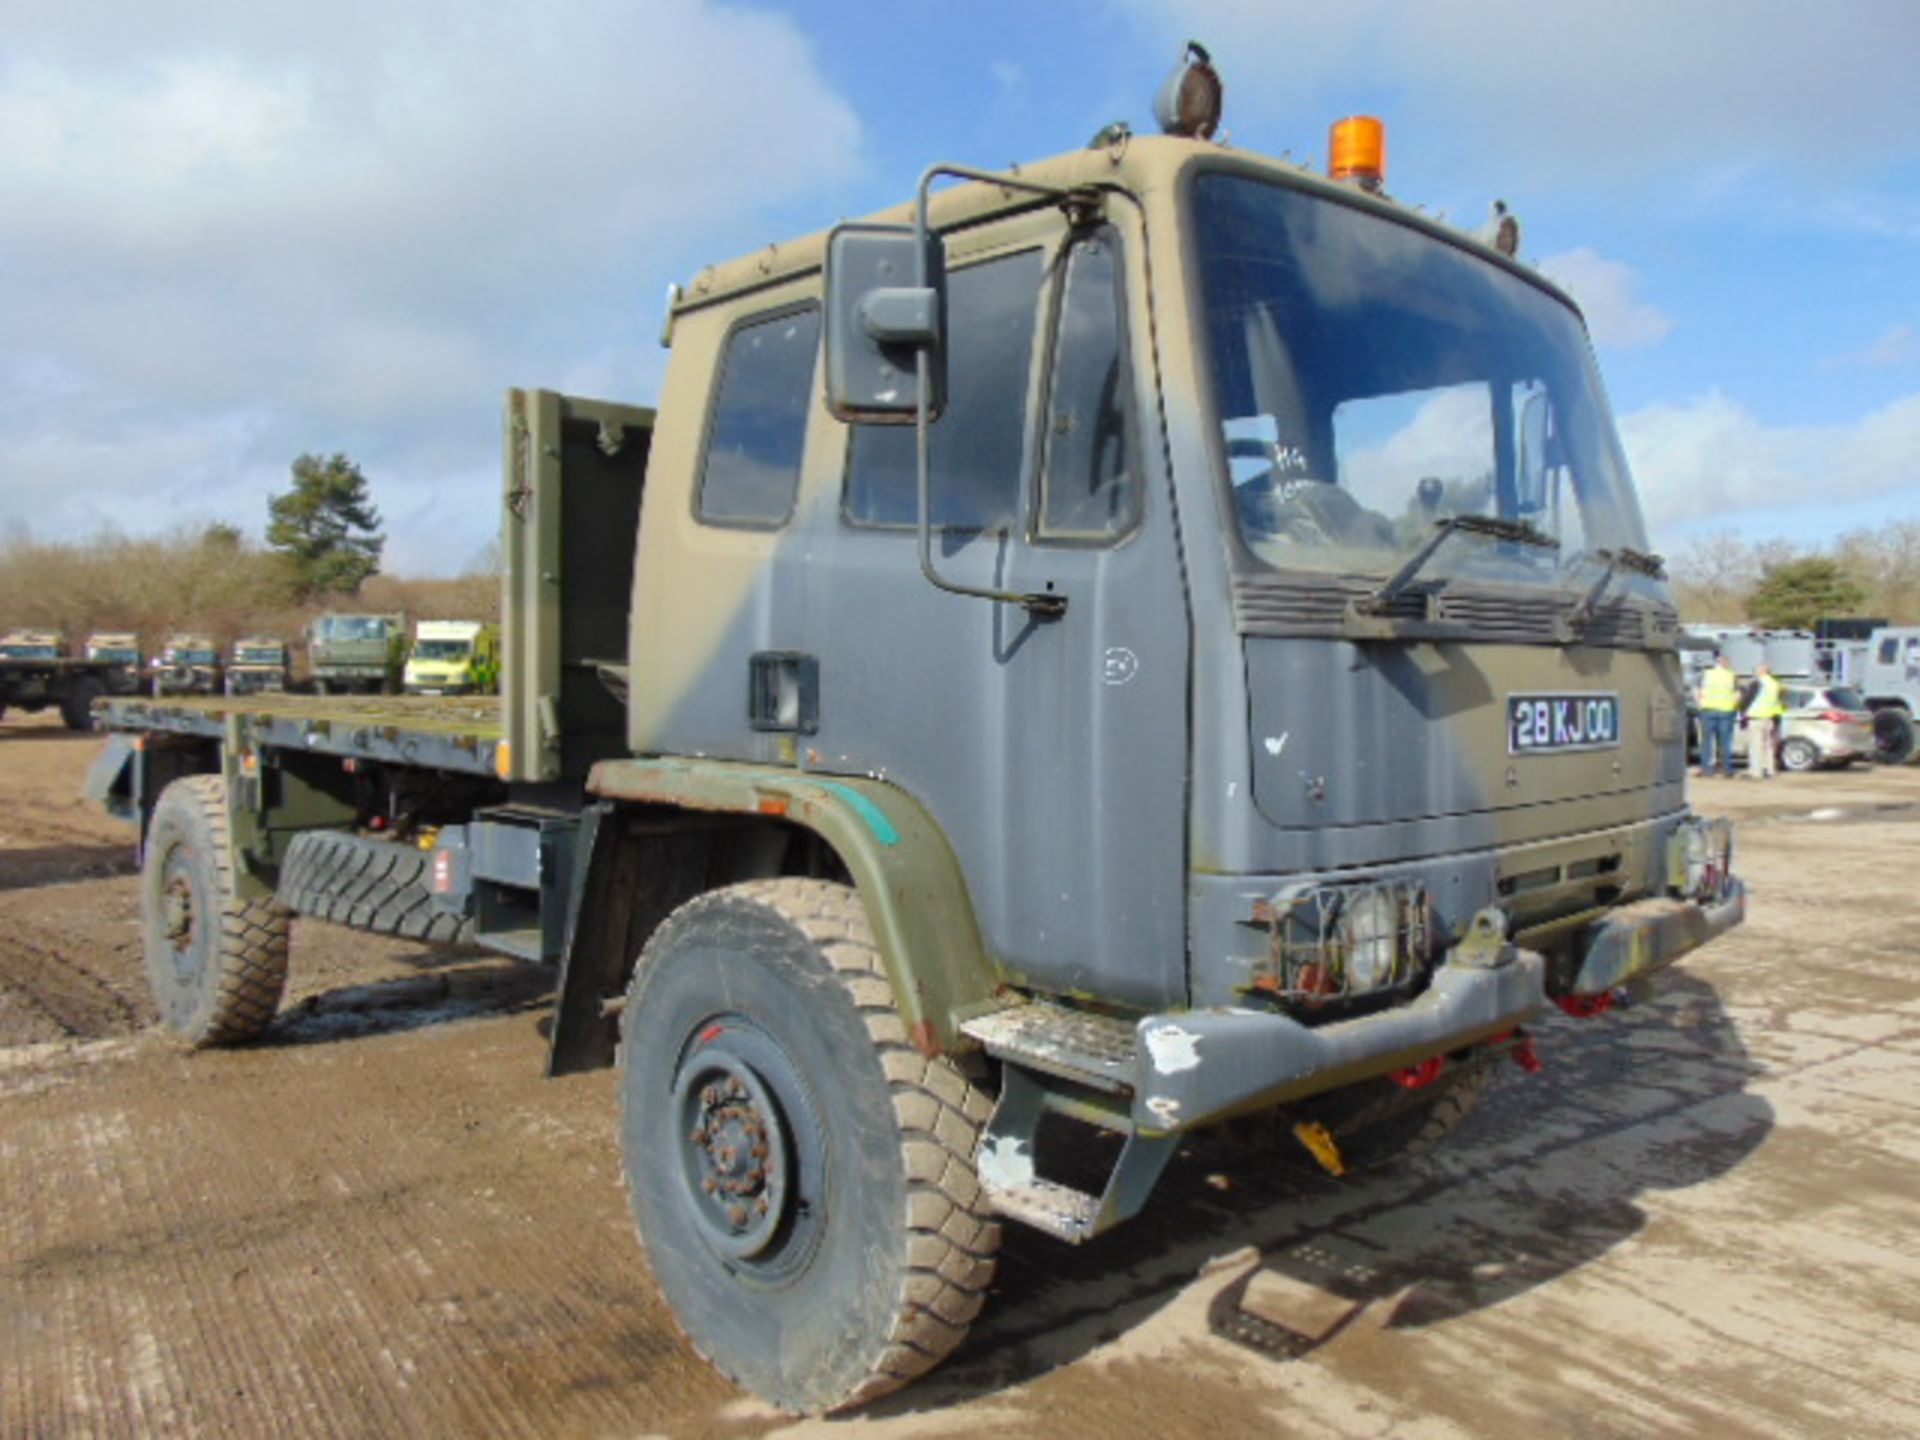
(1893, 736)
(1799, 753)
(760, 1013)
(381, 887)
(1379, 1122)
(216, 962)
(77, 709)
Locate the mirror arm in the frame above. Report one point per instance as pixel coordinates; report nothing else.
(1039, 606)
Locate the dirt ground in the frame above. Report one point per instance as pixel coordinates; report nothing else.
(1700, 1219)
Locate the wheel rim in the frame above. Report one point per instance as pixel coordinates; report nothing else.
(750, 1150)
(180, 918)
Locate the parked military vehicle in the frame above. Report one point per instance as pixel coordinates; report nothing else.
(1046, 687)
(454, 657)
(356, 654)
(37, 673)
(1884, 666)
(186, 665)
(119, 651)
(258, 665)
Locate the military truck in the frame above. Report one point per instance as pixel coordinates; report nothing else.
(1883, 664)
(188, 664)
(37, 673)
(356, 654)
(119, 651)
(258, 664)
(454, 657)
(1036, 676)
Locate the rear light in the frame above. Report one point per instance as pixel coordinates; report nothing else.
(1847, 717)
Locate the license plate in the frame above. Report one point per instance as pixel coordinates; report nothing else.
(1538, 723)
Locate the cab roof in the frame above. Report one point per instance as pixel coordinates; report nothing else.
(1141, 165)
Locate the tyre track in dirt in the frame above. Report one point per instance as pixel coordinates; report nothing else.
(1698, 1220)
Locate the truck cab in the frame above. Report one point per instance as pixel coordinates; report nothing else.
(258, 665)
(453, 657)
(356, 654)
(119, 651)
(186, 665)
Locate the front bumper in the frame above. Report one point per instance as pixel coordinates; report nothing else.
(1193, 1068)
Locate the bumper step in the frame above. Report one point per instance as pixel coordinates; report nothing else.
(1069, 1044)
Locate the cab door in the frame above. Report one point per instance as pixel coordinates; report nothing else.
(1052, 751)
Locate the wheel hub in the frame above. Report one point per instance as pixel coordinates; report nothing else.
(736, 1157)
(179, 921)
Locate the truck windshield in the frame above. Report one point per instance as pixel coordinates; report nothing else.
(350, 627)
(30, 652)
(117, 654)
(259, 655)
(192, 657)
(1370, 380)
(442, 649)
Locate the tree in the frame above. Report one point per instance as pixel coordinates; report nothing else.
(326, 527)
(1792, 594)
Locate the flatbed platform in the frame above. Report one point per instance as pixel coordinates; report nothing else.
(444, 732)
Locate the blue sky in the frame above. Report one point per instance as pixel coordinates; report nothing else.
(233, 232)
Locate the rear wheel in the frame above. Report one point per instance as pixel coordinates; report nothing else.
(216, 962)
(1798, 753)
(802, 1176)
(1893, 736)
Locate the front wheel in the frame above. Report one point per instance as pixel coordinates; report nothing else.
(802, 1176)
(1798, 753)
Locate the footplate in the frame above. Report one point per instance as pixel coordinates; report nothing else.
(1071, 1044)
(1009, 1171)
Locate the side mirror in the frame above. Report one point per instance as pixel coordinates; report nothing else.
(886, 307)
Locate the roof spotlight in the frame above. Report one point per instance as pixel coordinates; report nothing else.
(1189, 102)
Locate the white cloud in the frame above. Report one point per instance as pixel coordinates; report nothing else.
(1629, 88)
(1713, 458)
(354, 226)
(1616, 317)
(1897, 345)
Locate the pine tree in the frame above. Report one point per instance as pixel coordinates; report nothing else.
(326, 526)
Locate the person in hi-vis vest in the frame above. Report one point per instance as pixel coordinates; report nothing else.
(1764, 710)
(1719, 706)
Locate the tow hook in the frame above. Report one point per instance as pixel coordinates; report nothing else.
(1520, 1049)
(1586, 1007)
(1321, 1145)
(1416, 1077)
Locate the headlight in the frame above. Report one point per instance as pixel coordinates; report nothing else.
(1371, 927)
(1332, 942)
(1700, 859)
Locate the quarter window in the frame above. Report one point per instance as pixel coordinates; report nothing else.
(1088, 486)
(759, 426)
(977, 449)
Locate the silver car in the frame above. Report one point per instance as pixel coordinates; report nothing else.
(1823, 725)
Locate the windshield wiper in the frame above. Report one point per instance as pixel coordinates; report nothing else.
(1620, 557)
(1518, 531)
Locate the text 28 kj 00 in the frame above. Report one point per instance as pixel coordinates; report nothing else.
(1562, 722)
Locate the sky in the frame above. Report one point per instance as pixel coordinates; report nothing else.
(231, 233)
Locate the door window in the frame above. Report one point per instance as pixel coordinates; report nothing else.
(759, 426)
(977, 448)
(1089, 489)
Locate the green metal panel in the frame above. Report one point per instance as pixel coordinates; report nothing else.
(915, 895)
(536, 668)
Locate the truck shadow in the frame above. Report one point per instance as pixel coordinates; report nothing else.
(65, 864)
(451, 983)
(1545, 1178)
